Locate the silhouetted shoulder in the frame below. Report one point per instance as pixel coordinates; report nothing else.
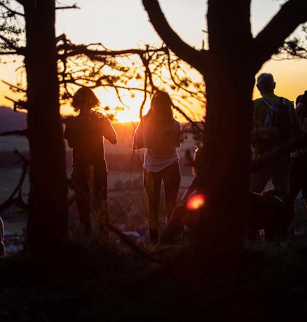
(257, 101)
(103, 123)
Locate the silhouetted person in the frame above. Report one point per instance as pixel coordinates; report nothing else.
(189, 210)
(298, 172)
(159, 133)
(273, 107)
(85, 133)
(271, 210)
(2, 248)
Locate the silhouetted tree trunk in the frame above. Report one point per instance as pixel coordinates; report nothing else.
(48, 218)
(228, 68)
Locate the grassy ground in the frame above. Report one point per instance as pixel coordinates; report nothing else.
(128, 200)
(88, 282)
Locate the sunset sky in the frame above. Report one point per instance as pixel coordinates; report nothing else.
(120, 24)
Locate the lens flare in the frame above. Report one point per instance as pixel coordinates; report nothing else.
(196, 202)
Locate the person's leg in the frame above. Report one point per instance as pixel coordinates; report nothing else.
(2, 248)
(296, 181)
(175, 225)
(303, 176)
(171, 179)
(259, 180)
(281, 174)
(100, 200)
(81, 187)
(281, 179)
(152, 185)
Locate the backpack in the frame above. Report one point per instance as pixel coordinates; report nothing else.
(279, 116)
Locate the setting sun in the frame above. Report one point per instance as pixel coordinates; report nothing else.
(126, 111)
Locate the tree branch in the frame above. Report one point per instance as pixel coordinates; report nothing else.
(12, 12)
(272, 37)
(18, 89)
(192, 56)
(74, 50)
(149, 257)
(74, 6)
(18, 50)
(16, 132)
(11, 199)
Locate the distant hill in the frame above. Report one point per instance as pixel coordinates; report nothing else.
(10, 120)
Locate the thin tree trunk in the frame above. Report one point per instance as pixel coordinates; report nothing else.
(48, 218)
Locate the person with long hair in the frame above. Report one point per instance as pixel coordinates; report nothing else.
(85, 134)
(159, 133)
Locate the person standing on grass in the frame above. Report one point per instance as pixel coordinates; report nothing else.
(159, 134)
(85, 134)
(298, 171)
(276, 117)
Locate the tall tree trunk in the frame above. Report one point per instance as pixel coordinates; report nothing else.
(227, 159)
(229, 78)
(48, 218)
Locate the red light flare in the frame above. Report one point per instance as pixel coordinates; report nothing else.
(196, 202)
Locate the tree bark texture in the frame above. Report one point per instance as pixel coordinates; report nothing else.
(48, 218)
(226, 163)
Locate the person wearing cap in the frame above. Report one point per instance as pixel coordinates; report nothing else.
(278, 172)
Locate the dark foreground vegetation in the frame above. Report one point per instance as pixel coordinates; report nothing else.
(88, 281)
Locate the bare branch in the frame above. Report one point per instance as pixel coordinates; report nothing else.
(192, 56)
(272, 37)
(136, 248)
(74, 6)
(16, 132)
(74, 50)
(11, 199)
(6, 53)
(18, 105)
(193, 124)
(18, 89)
(11, 11)
(18, 50)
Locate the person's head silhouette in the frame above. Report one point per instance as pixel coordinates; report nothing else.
(161, 107)
(84, 100)
(266, 83)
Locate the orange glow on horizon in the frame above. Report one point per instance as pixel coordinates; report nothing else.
(196, 202)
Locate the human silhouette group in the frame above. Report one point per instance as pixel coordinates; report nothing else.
(275, 121)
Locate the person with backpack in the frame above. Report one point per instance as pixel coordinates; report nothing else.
(275, 122)
(159, 133)
(85, 134)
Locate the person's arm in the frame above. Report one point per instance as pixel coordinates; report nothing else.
(177, 138)
(298, 129)
(301, 107)
(68, 134)
(190, 189)
(138, 139)
(109, 131)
